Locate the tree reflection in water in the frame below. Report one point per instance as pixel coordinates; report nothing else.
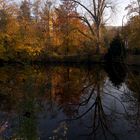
(99, 117)
(54, 102)
(133, 97)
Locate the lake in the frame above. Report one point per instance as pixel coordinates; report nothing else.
(59, 102)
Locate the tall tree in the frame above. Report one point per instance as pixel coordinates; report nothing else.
(132, 28)
(25, 11)
(8, 27)
(131, 32)
(65, 10)
(3, 20)
(46, 23)
(8, 10)
(95, 17)
(37, 9)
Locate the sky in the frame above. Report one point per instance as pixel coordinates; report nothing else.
(116, 18)
(120, 12)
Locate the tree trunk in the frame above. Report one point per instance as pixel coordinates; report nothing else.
(98, 47)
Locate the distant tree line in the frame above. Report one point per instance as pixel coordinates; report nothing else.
(37, 29)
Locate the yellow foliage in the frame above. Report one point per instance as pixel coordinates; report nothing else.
(132, 31)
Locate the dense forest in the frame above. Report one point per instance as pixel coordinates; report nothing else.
(35, 30)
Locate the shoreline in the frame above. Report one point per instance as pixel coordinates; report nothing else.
(130, 60)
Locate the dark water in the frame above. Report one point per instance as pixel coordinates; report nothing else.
(69, 103)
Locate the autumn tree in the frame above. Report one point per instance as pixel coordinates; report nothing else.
(25, 11)
(8, 28)
(131, 32)
(29, 43)
(24, 18)
(95, 17)
(132, 28)
(46, 21)
(63, 23)
(8, 11)
(37, 9)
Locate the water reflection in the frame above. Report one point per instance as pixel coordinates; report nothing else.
(67, 102)
(116, 72)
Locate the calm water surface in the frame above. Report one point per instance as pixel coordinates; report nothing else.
(69, 103)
